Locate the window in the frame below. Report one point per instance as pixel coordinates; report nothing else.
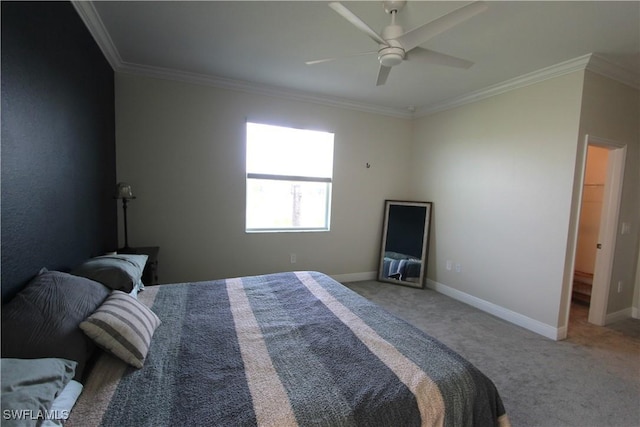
(289, 175)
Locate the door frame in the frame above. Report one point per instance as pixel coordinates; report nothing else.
(607, 233)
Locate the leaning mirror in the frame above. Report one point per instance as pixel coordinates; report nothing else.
(405, 243)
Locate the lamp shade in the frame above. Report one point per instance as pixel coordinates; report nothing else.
(123, 191)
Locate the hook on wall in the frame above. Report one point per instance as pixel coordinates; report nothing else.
(368, 165)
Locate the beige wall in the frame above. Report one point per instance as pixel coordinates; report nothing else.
(611, 111)
(181, 146)
(500, 174)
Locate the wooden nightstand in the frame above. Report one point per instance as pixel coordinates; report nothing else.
(150, 273)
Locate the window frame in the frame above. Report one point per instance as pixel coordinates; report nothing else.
(290, 178)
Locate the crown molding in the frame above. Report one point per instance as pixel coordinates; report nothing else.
(591, 62)
(94, 24)
(557, 70)
(602, 66)
(260, 89)
(92, 21)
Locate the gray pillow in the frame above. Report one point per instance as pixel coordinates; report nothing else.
(30, 386)
(119, 271)
(43, 319)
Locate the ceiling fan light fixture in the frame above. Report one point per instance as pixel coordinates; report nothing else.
(390, 56)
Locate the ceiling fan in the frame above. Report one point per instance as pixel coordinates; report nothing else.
(395, 45)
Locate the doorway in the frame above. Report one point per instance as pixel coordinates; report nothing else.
(595, 176)
(598, 222)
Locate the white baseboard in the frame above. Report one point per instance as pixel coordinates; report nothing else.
(355, 277)
(498, 311)
(618, 315)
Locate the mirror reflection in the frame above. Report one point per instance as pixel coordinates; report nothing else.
(405, 240)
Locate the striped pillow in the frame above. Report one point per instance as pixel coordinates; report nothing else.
(123, 326)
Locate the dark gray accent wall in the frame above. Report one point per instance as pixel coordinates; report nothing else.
(58, 143)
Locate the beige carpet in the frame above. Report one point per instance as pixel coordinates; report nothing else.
(591, 379)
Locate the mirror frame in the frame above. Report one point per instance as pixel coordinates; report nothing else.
(425, 243)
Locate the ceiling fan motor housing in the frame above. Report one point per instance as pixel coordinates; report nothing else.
(393, 53)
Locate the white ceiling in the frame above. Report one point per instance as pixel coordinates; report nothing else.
(264, 45)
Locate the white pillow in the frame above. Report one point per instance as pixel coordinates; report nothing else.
(62, 405)
(123, 326)
(139, 287)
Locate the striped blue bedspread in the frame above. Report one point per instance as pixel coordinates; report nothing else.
(285, 349)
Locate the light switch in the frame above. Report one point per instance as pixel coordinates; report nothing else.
(626, 228)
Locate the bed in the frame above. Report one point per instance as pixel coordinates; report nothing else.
(295, 348)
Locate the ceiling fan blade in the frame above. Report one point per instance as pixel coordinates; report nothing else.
(351, 17)
(433, 57)
(419, 35)
(320, 61)
(383, 73)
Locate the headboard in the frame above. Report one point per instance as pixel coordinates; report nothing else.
(58, 143)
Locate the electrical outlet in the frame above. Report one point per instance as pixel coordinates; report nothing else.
(458, 267)
(292, 258)
(619, 286)
(449, 264)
